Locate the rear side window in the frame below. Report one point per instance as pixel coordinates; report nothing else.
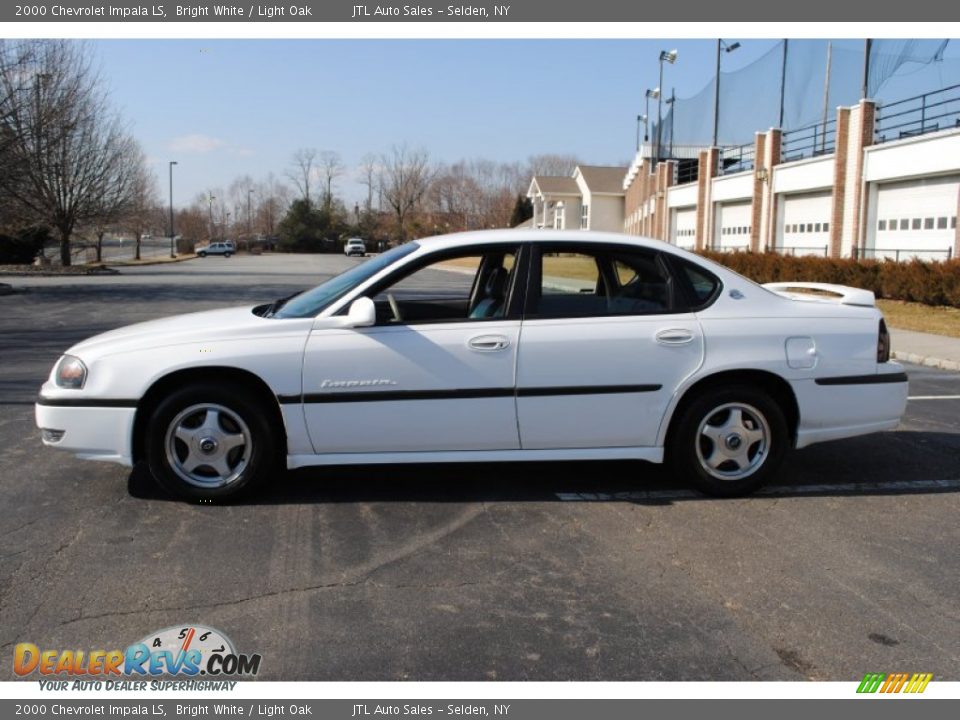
(701, 285)
(574, 281)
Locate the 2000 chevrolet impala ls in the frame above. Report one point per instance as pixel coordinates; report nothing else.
(490, 346)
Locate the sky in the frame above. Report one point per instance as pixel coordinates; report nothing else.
(227, 108)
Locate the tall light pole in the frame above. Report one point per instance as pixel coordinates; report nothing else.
(721, 45)
(673, 114)
(249, 225)
(641, 119)
(210, 200)
(669, 56)
(655, 93)
(173, 252)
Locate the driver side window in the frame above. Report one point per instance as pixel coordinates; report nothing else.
(459, 287)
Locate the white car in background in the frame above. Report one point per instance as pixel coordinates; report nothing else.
(354, 246)
(487, 346)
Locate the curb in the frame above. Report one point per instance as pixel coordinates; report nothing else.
(6, 289)
(165, 261)
(926, 360)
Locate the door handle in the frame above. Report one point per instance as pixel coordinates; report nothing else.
(488, 343)
(674, 336)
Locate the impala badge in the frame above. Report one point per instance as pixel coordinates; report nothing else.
(376, 382)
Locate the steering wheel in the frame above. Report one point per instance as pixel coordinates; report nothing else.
(394, 307)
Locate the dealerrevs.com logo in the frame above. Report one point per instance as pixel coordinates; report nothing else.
(182, 650)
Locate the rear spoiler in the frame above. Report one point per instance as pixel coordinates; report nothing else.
(847, 295)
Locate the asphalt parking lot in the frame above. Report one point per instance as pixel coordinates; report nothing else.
(541, 571)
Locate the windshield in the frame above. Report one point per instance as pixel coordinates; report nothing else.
(311, 302)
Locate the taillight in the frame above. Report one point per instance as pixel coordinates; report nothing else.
(883, 343)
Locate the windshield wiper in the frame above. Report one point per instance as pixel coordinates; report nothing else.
(279, 303)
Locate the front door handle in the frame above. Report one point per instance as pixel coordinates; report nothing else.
(674, 336)
(488, 343)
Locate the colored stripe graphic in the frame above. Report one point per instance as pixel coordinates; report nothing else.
(918, 683)
(894, 683)
(870, 683)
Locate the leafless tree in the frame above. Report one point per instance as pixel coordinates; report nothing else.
(552, 164)
(331, 167)
(116, 201)
(143, 208)
(273, 200)
(405, 176)
(304, 168)
(62, 149)
(367, 174)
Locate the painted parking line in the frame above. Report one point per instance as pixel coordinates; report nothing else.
(934, 397)
(775, 490)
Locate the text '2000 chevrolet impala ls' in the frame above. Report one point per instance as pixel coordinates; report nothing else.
(490, 346)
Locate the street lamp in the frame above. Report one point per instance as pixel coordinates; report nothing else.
(173, 252)
(655, 93)
(721, 45)
(249, 226)
(673, 115)
(669, 56)
(210, 200)
(641, 119)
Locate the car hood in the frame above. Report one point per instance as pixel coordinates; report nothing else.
(208, 326)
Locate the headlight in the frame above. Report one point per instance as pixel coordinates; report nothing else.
(70, 373)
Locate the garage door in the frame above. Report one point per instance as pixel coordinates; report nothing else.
(683, 227)
(731, 230)
(804, 224)
(915, 219)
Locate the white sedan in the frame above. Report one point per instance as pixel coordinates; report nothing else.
(488, 346)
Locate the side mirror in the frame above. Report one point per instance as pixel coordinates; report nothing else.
(362, 313)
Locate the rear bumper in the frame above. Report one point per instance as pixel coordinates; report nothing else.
(91, 433)
(835, 408)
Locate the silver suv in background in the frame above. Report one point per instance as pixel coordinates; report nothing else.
(354, 246)
(218, 248)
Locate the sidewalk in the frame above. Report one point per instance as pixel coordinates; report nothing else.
(937, 351)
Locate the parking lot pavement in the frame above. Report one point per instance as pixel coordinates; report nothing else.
(587, 571)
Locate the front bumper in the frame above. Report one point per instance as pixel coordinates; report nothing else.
(90, 432)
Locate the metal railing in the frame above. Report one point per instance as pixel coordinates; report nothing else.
(738, 158)
(686, 171)
(905, 253)
(932, 111)
(810, 141)
(805, 250)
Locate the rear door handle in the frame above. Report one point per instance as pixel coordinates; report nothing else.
(674, 336)
(488, 343)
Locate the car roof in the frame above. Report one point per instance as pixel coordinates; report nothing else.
(547, 235)
(526, 235)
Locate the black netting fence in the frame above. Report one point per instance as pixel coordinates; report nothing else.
(798, 84)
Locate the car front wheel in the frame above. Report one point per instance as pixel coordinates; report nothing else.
(201, 254)
(729, 441)
(210, 443)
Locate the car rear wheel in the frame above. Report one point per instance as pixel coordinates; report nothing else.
(210, 443)
(227, 254)
(729, 441)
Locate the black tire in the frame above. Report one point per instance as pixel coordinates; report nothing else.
(749, 451)
(201, 254)
(227, 254)
(239, 429)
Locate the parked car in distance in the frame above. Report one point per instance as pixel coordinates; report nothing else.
(354, 246)
(487, 346)
(218, 248)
